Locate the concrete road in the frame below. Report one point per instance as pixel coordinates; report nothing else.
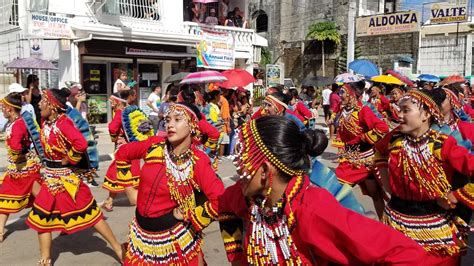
(88, 248)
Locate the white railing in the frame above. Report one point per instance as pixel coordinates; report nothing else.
(136, 9)
(8, 14)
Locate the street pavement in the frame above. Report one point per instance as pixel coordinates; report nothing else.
(88, 248)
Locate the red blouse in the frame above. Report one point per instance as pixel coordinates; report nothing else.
(61, 139)
(115, 126)
(445, 150)
(363, 126)
(17, 140)
(324, 232)
(303, 111)
(154, 199)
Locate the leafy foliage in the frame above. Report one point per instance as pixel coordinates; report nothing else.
(322, 31)
(341, 63)
(266, 57)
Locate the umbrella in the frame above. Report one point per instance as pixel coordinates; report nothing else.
(347, 78)
(401, 77)
(387, 79)
(452, 79)
(207, 76)
(236, 78)
(316, 81)
(205, 1)
(176, 77)
(364, 67)
(31, 63)
(428, 78)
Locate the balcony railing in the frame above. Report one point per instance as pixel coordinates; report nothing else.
(135, 9)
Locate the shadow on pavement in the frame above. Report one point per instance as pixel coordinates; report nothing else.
(19, 225)
(86, 241)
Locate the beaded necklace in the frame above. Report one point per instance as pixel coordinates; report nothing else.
(51, 126)
(421, 166)
(349, 121)
(180, 173)
(270, 233)
(453, 123)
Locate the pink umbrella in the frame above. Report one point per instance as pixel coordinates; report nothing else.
(207, 76)
(236, 78)
(205, 1)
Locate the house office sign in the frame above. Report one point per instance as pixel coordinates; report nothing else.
(216, 50)
(400, 22)
(49, 27)
(448, 12)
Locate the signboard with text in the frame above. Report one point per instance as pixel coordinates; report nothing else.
(400, 22)
(448, 12)
(215, 50)
(274, 75)
(53, 27)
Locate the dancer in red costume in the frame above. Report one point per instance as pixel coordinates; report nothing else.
(171, 212)
(380, 102)
(417, 163)
(118, 102)
(358, 130)
(63, 202)
(289, 221)
(23, 163)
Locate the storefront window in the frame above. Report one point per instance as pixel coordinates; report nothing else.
(149, 76)
(95, 85)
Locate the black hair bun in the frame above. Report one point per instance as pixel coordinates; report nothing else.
(64, 92)
(314, 142)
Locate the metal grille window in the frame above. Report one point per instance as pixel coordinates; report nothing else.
(8, 13)
(141, 9)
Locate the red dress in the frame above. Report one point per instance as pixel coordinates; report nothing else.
(382, 104)
(156, 237)
(417, 179)
(324, 232)
(22, 170)
(358, 131)
(117, 134)
(64, 203)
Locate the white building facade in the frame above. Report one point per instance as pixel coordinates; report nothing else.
(91, 40)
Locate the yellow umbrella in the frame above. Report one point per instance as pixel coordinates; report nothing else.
(387, 79)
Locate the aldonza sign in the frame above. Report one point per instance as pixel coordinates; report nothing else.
(388, 24)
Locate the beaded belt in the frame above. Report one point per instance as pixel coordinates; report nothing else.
(158, 224)
(415, 208)
(59, 180)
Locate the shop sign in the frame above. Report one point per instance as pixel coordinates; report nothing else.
(50, 27)
(448, 12)
(274, 75)
(216, 50)
(388, 24)
(94, 75)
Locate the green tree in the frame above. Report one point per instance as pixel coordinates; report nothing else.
(341, 62)
(324, 31)
(266, 57)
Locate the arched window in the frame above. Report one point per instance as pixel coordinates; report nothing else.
(261, 21)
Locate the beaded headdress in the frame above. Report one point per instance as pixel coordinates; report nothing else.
(420, 97)
(252, 152)
(55, 103)
(5, 101)
(278, 105)
(453, 99)
(346, 88)
(183, 110)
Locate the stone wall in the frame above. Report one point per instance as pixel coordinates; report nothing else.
(383, 50)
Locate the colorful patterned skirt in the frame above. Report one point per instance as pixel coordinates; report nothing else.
(110, 179)
(440, 232)
(176, 245)
(64, 203)
(15, 192)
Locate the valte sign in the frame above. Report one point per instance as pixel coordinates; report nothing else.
(448, 12)
(388, 24)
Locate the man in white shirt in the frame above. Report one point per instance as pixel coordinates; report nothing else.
(326, 104)
(154, 102)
